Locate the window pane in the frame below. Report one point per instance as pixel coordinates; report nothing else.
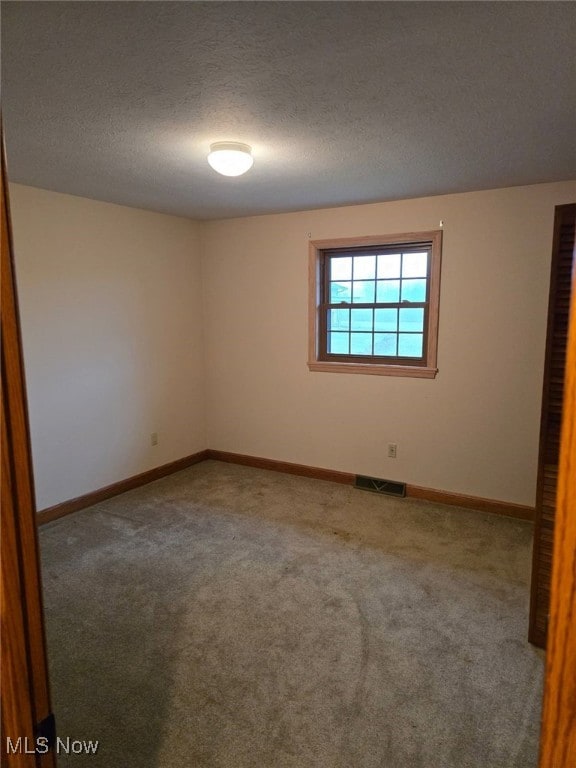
(385, 344)
(389, 265)
(361, 319)
(385, 319)
(410, 344)
(363, 291)
(339, 343)
(413, 290)
(364, 267)
(414, 264)
(360, 343)
(412, 320)
(341, 268)
(377, 304)
(339, 320)
(340, 292)
(388, 291)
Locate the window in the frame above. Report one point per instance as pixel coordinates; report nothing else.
(374, 305)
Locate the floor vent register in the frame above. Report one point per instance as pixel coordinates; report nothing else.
(378, 485)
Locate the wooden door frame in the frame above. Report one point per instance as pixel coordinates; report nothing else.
(25, 703)
(558, 738)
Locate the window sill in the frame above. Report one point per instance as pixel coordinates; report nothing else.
(413, 371)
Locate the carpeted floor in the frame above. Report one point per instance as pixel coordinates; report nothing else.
(233, 617)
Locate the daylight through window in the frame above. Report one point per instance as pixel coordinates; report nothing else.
(376, 305)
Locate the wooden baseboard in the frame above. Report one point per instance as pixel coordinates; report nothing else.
(88, 499)
(412, 491)
(287, 467)
(507, 508)
(303, 470)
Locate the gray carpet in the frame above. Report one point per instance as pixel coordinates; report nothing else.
(227, 616)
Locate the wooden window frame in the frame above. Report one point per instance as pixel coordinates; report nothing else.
(317, 357)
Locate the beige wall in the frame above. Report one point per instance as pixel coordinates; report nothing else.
(472, 430)
(111, 324)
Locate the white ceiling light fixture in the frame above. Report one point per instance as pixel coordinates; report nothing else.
(230, 158)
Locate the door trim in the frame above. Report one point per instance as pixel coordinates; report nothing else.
(558, 738)
(26, 692)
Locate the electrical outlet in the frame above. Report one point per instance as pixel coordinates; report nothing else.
(154, 438)
(392, 449)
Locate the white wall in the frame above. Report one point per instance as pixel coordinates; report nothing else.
(472, 430)
(111, 323)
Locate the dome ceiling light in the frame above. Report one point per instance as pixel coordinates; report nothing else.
(230, 158)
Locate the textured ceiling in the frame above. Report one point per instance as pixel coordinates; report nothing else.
(343, 102)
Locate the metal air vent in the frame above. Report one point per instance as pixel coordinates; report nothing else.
(378, 485)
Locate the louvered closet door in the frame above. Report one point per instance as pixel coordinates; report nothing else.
(551, 420)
